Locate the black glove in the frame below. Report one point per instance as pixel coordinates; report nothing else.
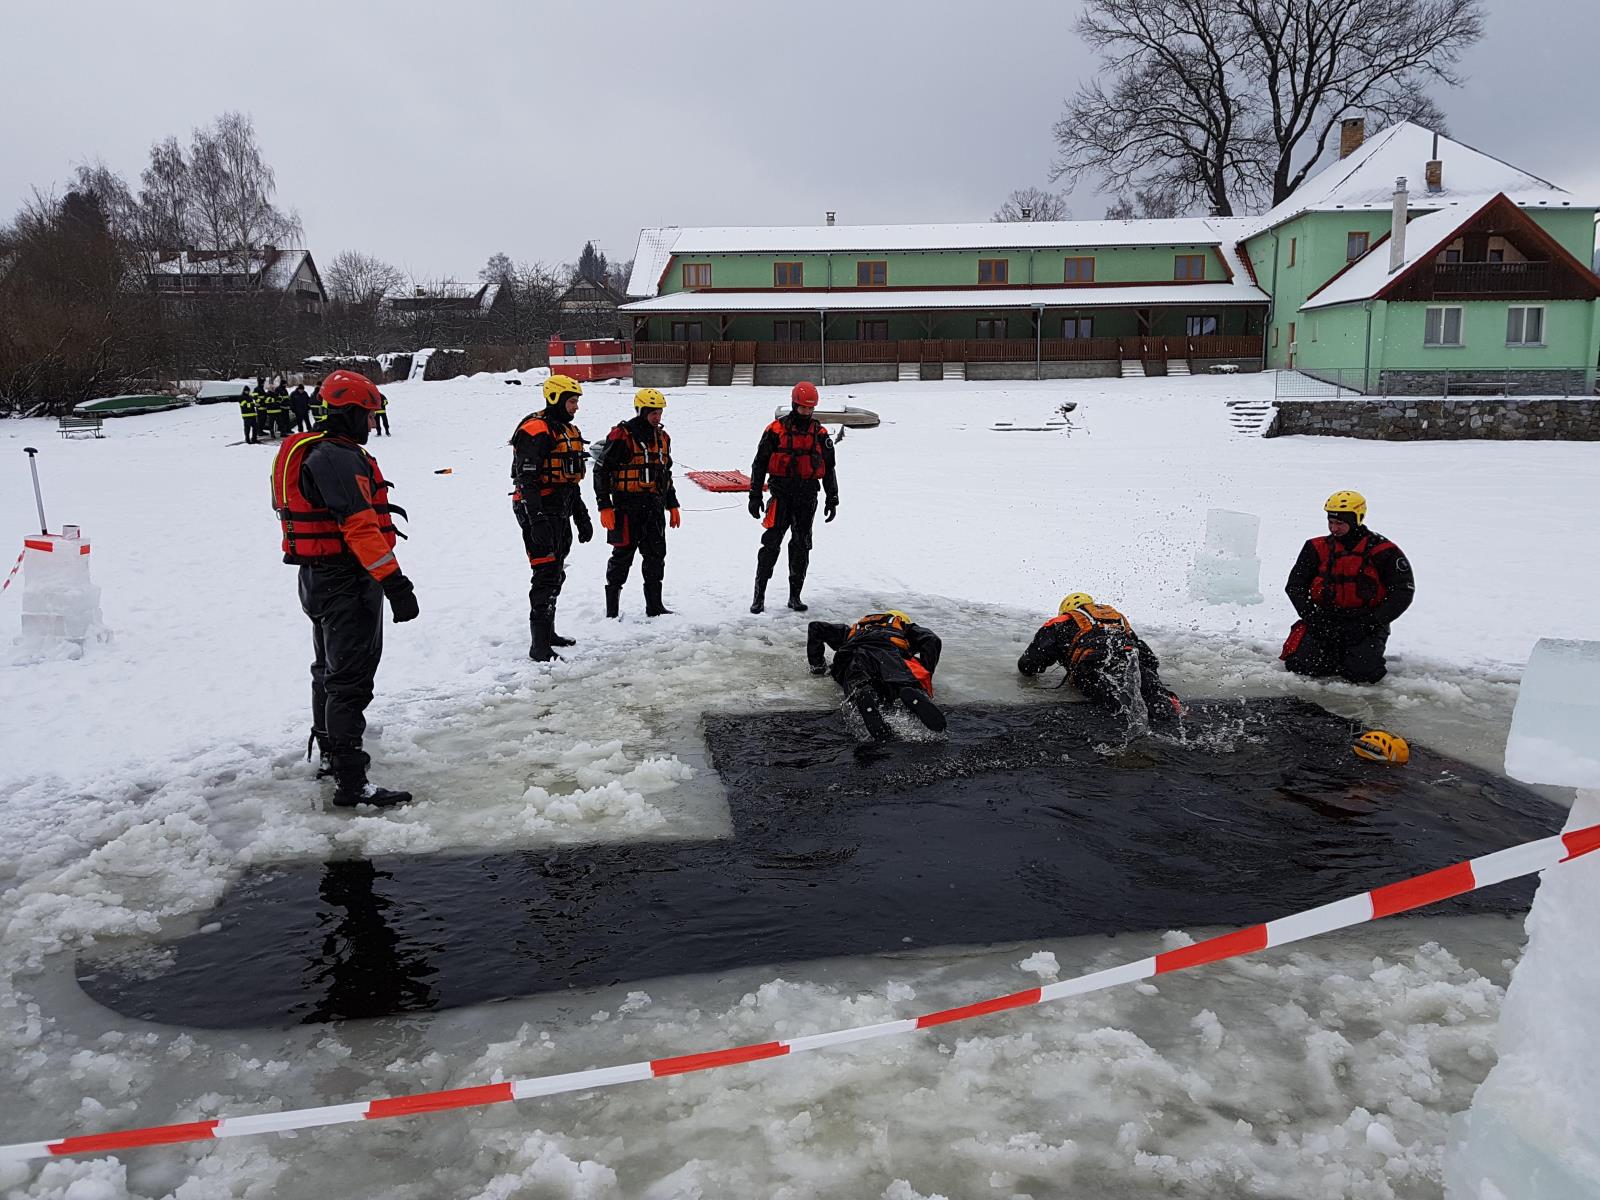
(541, 535)
(580, 517)
(830, 509)
(819, 668)
(402, 598)
(755, 505)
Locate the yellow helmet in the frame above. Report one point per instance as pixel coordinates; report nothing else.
(895, 612)
(1377, 746)
(649, 398)
(1075, 600)
(1350, 502)
(558, 387)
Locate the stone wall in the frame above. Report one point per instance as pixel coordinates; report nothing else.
(1409, 420)
(1482, 383)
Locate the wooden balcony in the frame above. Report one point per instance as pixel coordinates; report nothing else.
(963, 350)
(1491, 278)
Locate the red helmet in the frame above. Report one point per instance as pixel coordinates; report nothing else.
(804, 395)
(348, 387)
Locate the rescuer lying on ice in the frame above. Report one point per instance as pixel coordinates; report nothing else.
(338, 528)
(882, 658)
(1105, 659)
(1347, 587)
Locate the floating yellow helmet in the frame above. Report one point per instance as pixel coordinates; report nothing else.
(1075, 600)
(1377, 746)
(649, 398)
(558, 387)
(1350, 502)
(896, 613)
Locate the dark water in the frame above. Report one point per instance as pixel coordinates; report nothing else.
(1016, 828)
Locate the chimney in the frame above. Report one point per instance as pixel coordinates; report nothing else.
(830, 218)
(1397, 227)
(1434, 172)
(1027, 214)
(1352, 132)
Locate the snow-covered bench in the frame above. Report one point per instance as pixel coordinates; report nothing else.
(72, 423)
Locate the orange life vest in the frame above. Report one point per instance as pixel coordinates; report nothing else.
(881, 623)
(1085, 618)
(648, 469)
(1346, 577)
(565, 463)
(799, 451)
(311, 534)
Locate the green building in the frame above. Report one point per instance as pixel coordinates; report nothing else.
(1467, 274)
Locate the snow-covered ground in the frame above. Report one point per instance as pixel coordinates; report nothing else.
(139, 778)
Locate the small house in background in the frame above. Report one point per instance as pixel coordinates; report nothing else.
(197, 275)
(589, 309)
(448, 298)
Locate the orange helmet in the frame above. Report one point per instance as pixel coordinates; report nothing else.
(348, 387)
(804, 395)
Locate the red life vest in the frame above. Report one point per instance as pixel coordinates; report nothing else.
(1346, 577)
(648, 469)
(799, 451)
(311, 534)
(566, 461)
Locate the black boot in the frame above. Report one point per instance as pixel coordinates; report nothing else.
(613, 600)
(319, 740)
(540, 651)
(652, 601)
(758, 602)
(555, 638)
(350, 768)
(865, 701)
(922, 708)
(796, 582)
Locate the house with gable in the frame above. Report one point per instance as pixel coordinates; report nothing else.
(1475, 277)
(191, 276)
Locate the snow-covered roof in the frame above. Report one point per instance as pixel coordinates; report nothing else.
(889, 300)
(1367, 275)
(1365, 179)
(658, 246)
(444, 289)
(276, 268)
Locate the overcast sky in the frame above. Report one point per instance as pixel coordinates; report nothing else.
(433, 135)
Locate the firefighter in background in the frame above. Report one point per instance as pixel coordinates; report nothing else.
(272, 412)
(634, 492)
(795, 459)
(338, 528)
(547, 467)
(1101, 653)
(319, 406)
(882, 659)
(380, 421)
(300, 407)
(247, 410)
(1348, 587)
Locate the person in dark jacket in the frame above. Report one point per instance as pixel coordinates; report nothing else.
(1348, 588)
(547, 468)
(883, 659)
(1105, 659)
(338, 528)
(795, 458)
(634, 492)
(300, 407)
(247, 410)
(380, 420)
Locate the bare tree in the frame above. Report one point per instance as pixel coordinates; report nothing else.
(164, 212)
(233, 186)
(1033, 204)
(617, 276)
(1147, 203)
(498, 269)
(357, 278)
(1224, 102)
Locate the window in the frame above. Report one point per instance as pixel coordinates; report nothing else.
(1292, 244)
(872, 331)
(993, 270)
(872, 274)
(1189, 266)
(696, 275)
(788, 274)
(1077, 327)
(1079, 270)
(1525, 326)
(1201, 326)
(1442, 327)
(1355, 244)
(991, 327)
(788, 331)
(1497, 255)
(1452, 256)
(686, 331)
(1274, 337)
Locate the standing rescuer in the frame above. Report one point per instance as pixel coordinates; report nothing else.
(1105, 659)
(547, 467)
(795, 459)
(338, 528)
(1347, 587)
(634, 492)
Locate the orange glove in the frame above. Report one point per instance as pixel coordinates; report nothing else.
(608, 518)
(676, 520)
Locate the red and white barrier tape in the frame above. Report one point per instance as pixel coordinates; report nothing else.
(1353, 910)
(14, 570)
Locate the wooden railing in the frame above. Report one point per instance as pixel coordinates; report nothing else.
(663, 353)
(1490, 278)
(1008, 350)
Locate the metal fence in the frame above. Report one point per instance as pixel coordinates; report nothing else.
(1336, 382)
